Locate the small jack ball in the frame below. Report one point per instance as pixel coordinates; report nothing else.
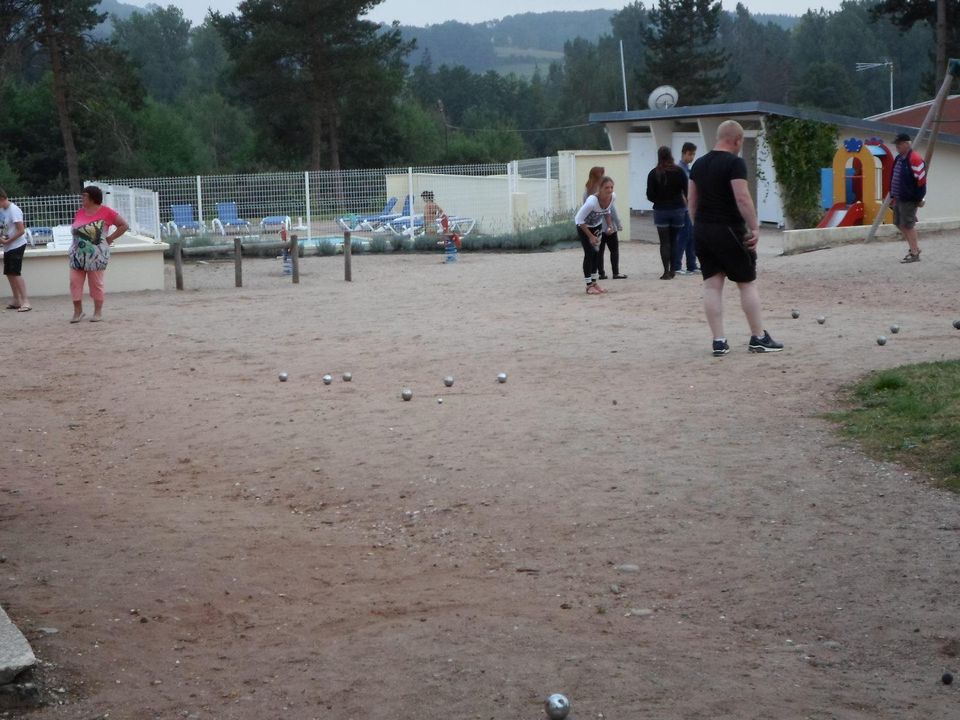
(795, 314)
(947, 678)
(821, 319)
(881, 340)
(327, 379)
(439, 401)
(283, 377)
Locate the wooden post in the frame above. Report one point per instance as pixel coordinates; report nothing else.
(347, 274)
(295, 258)
(237, 262)
(178, 263)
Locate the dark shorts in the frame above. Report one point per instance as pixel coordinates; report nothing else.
(720, 249)
(670, 218)
(13, 261)
(904, 214)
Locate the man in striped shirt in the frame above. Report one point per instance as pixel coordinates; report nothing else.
(908, 187)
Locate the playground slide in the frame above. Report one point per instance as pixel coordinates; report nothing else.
(842, 215)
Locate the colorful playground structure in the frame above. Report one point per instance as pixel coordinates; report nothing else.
(854, 188)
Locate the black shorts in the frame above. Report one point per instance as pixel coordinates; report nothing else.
(13, 261)
(720, 249)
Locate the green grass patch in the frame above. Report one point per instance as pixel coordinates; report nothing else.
(909, 415)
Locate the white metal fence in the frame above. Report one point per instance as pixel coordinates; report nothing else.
(139, 207)
(489, 199)
(496, 198)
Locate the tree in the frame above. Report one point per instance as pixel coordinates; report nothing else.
(682, 50)
(760, 58)
(59, 26)
(314, 57)
(941, 15)
(157, 41)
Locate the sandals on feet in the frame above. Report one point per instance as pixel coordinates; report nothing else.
(78, 318)
(11, 306)
(24, 308)
(911, 258)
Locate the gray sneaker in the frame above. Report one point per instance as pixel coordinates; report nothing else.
(764, 344)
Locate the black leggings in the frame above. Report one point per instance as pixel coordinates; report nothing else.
(589, 252)
(668, 241)
(611, 241)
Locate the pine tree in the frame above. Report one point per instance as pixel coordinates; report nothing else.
(683, 50)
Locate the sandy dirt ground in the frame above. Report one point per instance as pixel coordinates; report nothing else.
(655, 532)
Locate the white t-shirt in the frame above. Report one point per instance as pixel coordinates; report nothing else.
(9, 218)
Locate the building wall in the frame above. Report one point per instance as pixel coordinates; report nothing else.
(136, 263)
(642, 149)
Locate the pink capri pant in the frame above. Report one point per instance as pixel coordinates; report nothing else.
(95, 279)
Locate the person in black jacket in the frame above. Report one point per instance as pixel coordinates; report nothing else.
(667, 190)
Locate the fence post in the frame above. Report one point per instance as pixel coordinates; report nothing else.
(347, 254)
(178, 262)
(306, 191)
(237, 262)
(410, 195)
(295, 258)
(199, 202)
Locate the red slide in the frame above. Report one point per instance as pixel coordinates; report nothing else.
(843, 215)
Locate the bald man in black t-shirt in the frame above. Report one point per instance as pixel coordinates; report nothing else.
(726, 231)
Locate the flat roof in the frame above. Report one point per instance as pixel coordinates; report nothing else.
(692, 112)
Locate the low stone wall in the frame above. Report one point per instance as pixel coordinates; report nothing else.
(798, 241)
(136, 263)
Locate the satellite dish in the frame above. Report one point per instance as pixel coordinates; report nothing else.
(663, 98)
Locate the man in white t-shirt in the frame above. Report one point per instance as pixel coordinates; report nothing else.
(13, 239)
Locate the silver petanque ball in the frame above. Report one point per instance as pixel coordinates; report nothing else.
(406, 393)
(327, 379)
(448, 381)
(894, 329)
(502, 377)
(283, 377)
(557, 706)
(347, 377)
(439, 401)
(821, 319)
(956, 324)
(882, 340)
(795, 314)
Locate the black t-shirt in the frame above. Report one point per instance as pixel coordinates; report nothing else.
(712, 174)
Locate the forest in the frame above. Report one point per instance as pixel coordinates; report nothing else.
(302, 85)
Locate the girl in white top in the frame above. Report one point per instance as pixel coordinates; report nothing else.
(590, 220)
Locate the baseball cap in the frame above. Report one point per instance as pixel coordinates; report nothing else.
(901, 137)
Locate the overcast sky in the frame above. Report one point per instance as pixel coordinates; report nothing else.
(424, 12)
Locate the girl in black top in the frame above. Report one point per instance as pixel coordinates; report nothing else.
(667, 190)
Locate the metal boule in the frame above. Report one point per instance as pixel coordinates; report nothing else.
(347, 377)
(406, 393)
(327, 379)
(557, 706)
(283, 377)
(502, 377)
(448, 381)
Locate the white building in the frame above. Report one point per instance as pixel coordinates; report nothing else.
(641, 132)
